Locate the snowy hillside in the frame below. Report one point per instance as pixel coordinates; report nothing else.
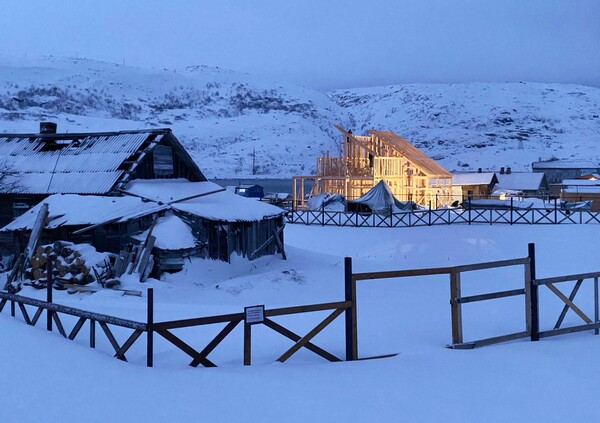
(223, 117)
(487, 125)
(229, 120)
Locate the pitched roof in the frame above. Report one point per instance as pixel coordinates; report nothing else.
(416, 156)
(78, 163)
(519, 181)
(474, 178)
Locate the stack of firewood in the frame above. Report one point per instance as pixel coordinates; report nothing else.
(67, 264)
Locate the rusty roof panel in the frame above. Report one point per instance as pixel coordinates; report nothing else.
(71, 163)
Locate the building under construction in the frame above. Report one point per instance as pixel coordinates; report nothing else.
(366, 160)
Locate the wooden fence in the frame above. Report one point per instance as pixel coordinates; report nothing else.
(529, 293)
(510, 216)
(250, 316)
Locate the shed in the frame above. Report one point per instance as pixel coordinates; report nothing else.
(473, 184)
(251, 191)
(224, 221)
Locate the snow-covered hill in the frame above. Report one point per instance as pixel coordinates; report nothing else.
(229, 120)
(488, 125)
(225, 119)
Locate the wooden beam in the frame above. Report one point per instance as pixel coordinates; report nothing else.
(77, 328)
(304, 340)
(111, 339)
(568, 302)
(294, 337)
(456, 310)
(567, 278)
(216, 341)
(185, 348)
(130, 341)
(563, 313)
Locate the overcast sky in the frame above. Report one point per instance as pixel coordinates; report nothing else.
(322, 44)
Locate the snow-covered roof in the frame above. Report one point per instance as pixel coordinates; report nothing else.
(83, 210)
(582, 190)
(472, 178)
(71, 163)
(565, 164)
(520, 181)
(580, 182)
(213, 201)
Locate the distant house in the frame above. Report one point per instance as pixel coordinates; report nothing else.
(558, 170)
(582, 189)
(525, 183)
(473, 185)
(250, 191)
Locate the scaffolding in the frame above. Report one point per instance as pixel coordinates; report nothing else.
(365, 160)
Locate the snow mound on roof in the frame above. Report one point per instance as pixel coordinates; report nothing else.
(206, 199)
(171, 233)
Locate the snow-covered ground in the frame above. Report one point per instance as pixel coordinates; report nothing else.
(47, 378)
(237, 125)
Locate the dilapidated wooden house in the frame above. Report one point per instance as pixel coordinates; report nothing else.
(382, 155)
(101, 163)
(104, 188)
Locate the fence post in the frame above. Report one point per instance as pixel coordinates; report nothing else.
(533, 295)
(429, 212)
(350, 313)
(469, 210)
(455, 307)
(323, 215)
(596, 311)
(49, 293)
(511, 210)
(247, 343)
(150, 329)
(555, 212)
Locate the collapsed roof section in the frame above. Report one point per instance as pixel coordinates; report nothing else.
(203, 199)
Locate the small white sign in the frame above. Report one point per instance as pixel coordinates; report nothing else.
(254, 314)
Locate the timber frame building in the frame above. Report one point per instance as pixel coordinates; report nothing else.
(366, 160)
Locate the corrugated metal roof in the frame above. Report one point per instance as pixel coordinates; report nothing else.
(86, 164)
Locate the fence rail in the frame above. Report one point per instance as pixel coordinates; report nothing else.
(166, 329)
(468, 216)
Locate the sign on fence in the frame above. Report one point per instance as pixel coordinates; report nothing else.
(254, 314)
